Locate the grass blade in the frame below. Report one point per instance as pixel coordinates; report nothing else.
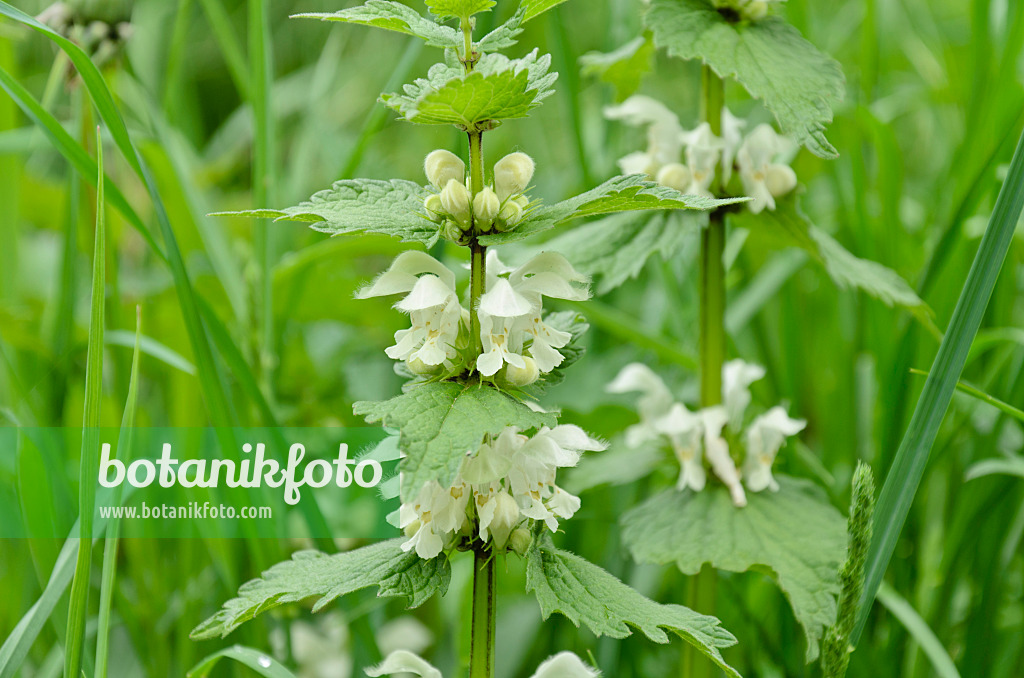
(1010, 466)
(151, 347)
(919, 630)
(90, 435)
(124, 444)
(974, 392)
(258, 661)
(908, 467)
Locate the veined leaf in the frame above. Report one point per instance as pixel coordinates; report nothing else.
(498, 88)
(440, 422)
(788, 224)
(619, 194)
(504, 36)
(583, 592)
(311, 573)
(392, 208)
(535, 8)
(458, 8)
(623, 68)
(768, 57)
(794, 533)
(616, 248)
(393, 16)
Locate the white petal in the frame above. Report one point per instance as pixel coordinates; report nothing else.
(428, 292)
(640, 110)
(489, 363)
(565, 665)
(546, 357)
(503, 301)
(779, 179)
(551, 285)
(403, 661)
(400, 276)
(573, 437)
(717, 452)
(549, 262)
(638, 162)
(737, 376)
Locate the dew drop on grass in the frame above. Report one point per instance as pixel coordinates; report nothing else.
(263, 661)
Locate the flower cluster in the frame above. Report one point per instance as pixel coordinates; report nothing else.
(755, 157)
(518, 346)
(496, 207)
(507, 483)
(561, 665)
(707, 432)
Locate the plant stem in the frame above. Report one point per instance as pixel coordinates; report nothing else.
(481, 642)
(478, 274)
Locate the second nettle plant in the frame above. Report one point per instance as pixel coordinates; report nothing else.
(478, 457)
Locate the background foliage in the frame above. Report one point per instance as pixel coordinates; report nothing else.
(934, 106)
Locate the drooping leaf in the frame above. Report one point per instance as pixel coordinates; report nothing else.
(392, 208)
(442, 421)
(629, 193)
(583, 592)
(458, 8)
(623, 68)
(794, 533)
(311, 573)
(616, 248)
(258, 661)
(535, 8)
(796, 82)
(498, 88)
(393, 16)
(789, 225)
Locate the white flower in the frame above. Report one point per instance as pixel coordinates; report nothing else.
(685, 431)
(737, 376)
(455, 201)
(765, 436)
(498, 514)
(655, 402)
(430, 301)
(561, 665)
(442, 166)
(433, 516)
(486, 206)
(512, 175)
(664, 144)
(717, 451)
(732, 136)
(703, 149)
(763, 178)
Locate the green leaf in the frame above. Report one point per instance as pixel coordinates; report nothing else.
(624, 68)
(769, 58)
(258, 661)
(458, 8)
(534, 8)
(311, 573)
(616, 248)
(788, 225)
(583, 592)
(911, 459)
(392, 208)
(619, 465)
(442, 421)
(619, 194)
(393, 16)
(977, 393)
(504, 36)
(1010, 466)
(498, 88)
(919, 630)
(793, 533)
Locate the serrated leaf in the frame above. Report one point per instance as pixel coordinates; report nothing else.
(393, 16)
(616, 248)
(392, 208)
(789, 225)
(535, 8)
(795, 533)
(440, 422)
(796, 82)
(583, 592)
(629, 193)
(498, 88)
(311, 573)
(504, 36)
(458, 8)
(623, 68)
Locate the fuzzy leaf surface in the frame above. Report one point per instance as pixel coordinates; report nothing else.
(311, 573)
(789, 225)
(633, 192)
(504, 36)
(623, 68)
(458, 8)
(795, 534)
(392, 208)
(440, 422)
(796, 82)
(498, 88)
(394, 16)
(583, 592)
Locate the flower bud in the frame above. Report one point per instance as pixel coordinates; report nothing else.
(432, 203)
(451, 231)
(485, 208)
(417, 366)
(525, 375)
(510, 215)
(780, 179)
(512, 174)
(455, 201)
(753, 11)
(675, 175)
(442, 166)
(520, 540)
